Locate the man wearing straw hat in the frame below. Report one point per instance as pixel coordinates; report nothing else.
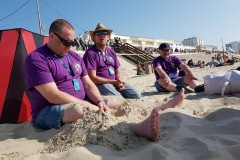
(104, 68)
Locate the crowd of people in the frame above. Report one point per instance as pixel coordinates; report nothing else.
(61, 83)
(219, 59)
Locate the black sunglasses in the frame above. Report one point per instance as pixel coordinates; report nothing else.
(101, 33)
(66, 43)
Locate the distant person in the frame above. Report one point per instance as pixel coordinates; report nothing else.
(140, 71)
(190, 63)
(213, 63)
(202, 65)
(104, 68)
(220, 58)
(166, 72)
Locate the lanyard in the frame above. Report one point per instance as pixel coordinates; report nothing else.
(70, 71)
(104, 57)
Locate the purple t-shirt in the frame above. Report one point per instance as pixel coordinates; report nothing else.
(41, 67)
(170, 66)
(94, 60)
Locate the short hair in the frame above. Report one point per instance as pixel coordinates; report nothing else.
(58, 24)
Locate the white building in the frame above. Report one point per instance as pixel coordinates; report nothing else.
(194, 41)
(235, 46)
(142, 43)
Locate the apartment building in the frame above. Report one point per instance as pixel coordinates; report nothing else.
(194, 41)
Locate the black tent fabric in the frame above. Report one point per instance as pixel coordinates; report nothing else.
(15, 44)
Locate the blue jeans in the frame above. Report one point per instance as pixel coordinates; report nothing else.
(129, 91)
(177, 81)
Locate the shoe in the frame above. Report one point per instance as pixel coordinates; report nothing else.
(199, 88)
(179, 87)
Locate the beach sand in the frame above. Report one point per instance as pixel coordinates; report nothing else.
(204, 127)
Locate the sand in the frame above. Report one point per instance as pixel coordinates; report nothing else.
(204, 127)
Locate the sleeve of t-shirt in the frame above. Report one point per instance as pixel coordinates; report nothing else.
(155, 63)
(117, 63)
(90, 60)
(37, 71)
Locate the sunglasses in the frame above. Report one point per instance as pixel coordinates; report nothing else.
(101, 33)
(66, 43)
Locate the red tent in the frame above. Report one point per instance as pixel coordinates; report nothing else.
(15, 44)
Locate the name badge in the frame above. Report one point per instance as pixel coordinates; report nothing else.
(111, 71)
(76, 85)
(171, 75)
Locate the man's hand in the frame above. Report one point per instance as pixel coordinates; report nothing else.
(103, 106)
(119, 84)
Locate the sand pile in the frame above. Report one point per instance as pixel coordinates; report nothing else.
(100, 128)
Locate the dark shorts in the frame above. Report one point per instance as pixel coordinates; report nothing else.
(177, 81)
(50, 117)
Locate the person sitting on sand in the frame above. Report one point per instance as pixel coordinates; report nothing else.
(140, 71)
(60, 87)
(213, 63)
(103, 66)
(166, 72)
(198, 63)
(190, 63)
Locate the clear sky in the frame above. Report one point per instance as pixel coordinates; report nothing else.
(211, 20)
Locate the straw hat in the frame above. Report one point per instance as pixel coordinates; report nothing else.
(100, 27)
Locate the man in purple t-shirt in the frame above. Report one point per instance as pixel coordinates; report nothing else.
(57, 76)
(166, 72)
(103, 66)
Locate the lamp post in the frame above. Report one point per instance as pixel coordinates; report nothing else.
(222, 45)
(223, 52)
(39, 19)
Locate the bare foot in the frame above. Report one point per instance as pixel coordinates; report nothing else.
(173, 103)
(149, 128)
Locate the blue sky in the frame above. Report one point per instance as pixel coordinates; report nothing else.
(211, 20)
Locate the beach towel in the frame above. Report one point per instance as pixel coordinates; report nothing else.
(222, 83)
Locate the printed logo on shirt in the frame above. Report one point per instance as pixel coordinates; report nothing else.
(110, 59)
(78, 68)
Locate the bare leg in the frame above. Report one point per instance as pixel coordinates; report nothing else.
(191, 82)
(173, 103)
(149, 128)
(114, 102)
(170, 87)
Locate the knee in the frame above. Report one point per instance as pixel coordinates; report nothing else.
(161, 84)
(73, 114)
(186, 79)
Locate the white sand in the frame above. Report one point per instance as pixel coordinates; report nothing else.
(205, 127)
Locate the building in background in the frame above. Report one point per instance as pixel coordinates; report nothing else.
(146, 43)
(187, 45)
(194, 41)
(233, 47)
(208, 48)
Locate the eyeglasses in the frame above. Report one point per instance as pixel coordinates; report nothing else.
(66, 43)
(101, 33)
